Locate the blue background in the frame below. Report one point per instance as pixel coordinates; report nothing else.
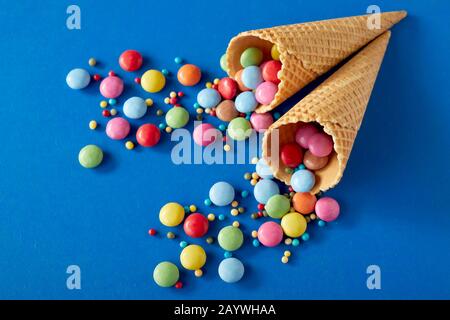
(54, 213)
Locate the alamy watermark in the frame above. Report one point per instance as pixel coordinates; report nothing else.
(374, 19)
(374, 279)
(73, 281)
(73, 21)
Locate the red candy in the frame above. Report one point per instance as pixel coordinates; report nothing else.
(179, 285)
(196, 225)
(269, 71)
(106, 113)
(97, 77)
(148, 135)
(111, 73)
(227, 88)
(260, 206)
(152, 232)
(130, 60)
(180, 93)
(137, 80)
(291, 155)
(173, 100)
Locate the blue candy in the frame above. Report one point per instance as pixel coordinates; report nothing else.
(251, 77)
(265, 189)
(78, 78)
(246, 102)
(208, 98)
(221, 193)
(303, 181)
(231, 270)
(135, 108)
(263, 170)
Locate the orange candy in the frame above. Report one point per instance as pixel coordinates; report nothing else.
(304, 202)
(189, 75)
(238, 79)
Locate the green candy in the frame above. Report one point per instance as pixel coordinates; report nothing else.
(90, 156)
(239, 129)
(251, 57)
(230, 238)
(166, 274)
(277, 206)
(177, 117)
(223, 62)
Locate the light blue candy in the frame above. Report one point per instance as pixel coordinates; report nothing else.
(221, 193)
(303, 181)
(265, 189)
(246, 102)
(208, 98)
(135, 108)
(251, 77)
(231, 270)
(78, 78)
(263, 170)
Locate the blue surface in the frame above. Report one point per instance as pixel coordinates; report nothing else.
(54, 213)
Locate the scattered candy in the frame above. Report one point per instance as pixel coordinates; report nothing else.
(230, 238)
(284, 259)
(178, 60)
(179, 285)
(189, 75)
(177, 117)
(196, 225)
(327, 209)
(78, 79)
(269, 71)
(303, 181)
(170, 235)
(275, 53)
(198, 273)
(293, 224)
(149, 102)
(117, 128)
(320, 144)
(205, 134)
(153, 81)
(227, 88)
(106, 113)
(304, 202)
(92, 62)
(166, 274)
(211, 216)
(90, 156)
(265, 92)
(251, 77)
(208, 98)
(92, 124)
(148, 135)
(246, 102)
(130, 60)
(103, 104)
(221, 193)
(263, 170)
(193, 257)
(239, 129)
(209, 240)
(313, 162)
(277, 206)
(291, 155)
(270, 234)
(251, 57)
(261, 121)
(231, 270)
(111, 87)
(265, 189)
(226, 110)
(152, 232)
(171, 214)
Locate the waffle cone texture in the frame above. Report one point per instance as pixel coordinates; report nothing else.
(338, 105)
(308, 50)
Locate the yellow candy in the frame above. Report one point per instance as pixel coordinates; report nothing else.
(287, 253)
(234, 204)
(236, 224)
(208, 110)
(92, 124)
(285, 259)
(247, 176)
(171, 214)
(293, 224)
(199, 110)
(255, 175)
(149, 102)
(153, 81)
(92, 62)
(234, 212)
(226, 147)
(168, 129)
(192, 208)
(275, 53)
(254, 234)
(198, 273)
(113, 112)
(103, 104)
(241, 209)
(255, 160)
(173, 94)
(288, 241)
(253, 182)
(211, 217)
(167, 100)
(193, 257)
(216, 81)
(129, 145)
(209, 85)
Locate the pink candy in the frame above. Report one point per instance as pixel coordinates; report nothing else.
(205, 134)
(320, 144)
(270, 234)
(261, 121)
(117, 128)
(265, 92)
(111, 87)
(327, 209)
(304, 132)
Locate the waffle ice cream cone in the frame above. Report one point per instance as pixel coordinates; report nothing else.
(338, 105)
(308, 50)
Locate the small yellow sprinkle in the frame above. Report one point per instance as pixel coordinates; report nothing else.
(199, 110)
(288, 241)
(285, 259)
(198, 273)
(92, 124)
(173, 94)
(287, 253)
(129, 145)
(209, 85)
(159, 112)
(241, 209)
(255, 175)
(149, 102)
(247, 176)
(236, 224)
(92, 62)
(313, 216)
(166, 100)
(255, 160)
(234, 212)
(216, 81)
(113, 112)
(211, 217)
(234, 204)
(227, 147)
(208, 110)
(168, 129)
(254, 234)
(192, 208)
(103, 104)
(253, 182)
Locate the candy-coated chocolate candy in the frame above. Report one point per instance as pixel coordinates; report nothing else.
(320, 144)
(153, 81)
(314, 163)
(227, 88)
(230, 238)
(238, 78)
(223, 62)
(246, 102)
(269, 71)
(193, 257)
(135, 108)
(303, 181)
(239, 129)
(304, 202)
(205, 134)
(231, 270)
(117, 128)
(304, 132)
(90, 156)
(130, 60)
(251, 77)
(265, 92)
(166, 274)
(265, 189)
(148, 135)
(293, 224)
(189, 75)
(327, 209)
(196, 225)
(263, 169)
(270, 234)
(111, 87)
(251, 57)
(226, 110)
(208, 98)
(177, 117)
(78, 79)
(275, 53)
(277, 206)
(261, 121)
(171, 214)
(221, 193)
(291, 155)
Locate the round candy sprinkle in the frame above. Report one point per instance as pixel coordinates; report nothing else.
(246, 102)
(320, 144)
(227, 88)
(189, 75)
(254, 160)
(239, 129)
(171, 214)
(196, 225)
(198, 273)
(208, 98)
(148, 135)
(178, 60)
(261, 121)
(152, 232)
(112, 102)
(221, 217)
(263, 169)
(103, 104)
(291, 155)
(92, 62)
(111, 87)
(153, 81)
(117, 128)
(255, 242)
(179, 285)
(221, 193)
(251, 57)
(251, 77)
(284, 259)
(270, 234)
(130, 60)
(313, 162)
(192, 208)
(149, 102)
(287, 253)
(231, 270)
(321, 223)
(230, 238)
(327, 209)
(177, 117)
(244, 194)
(205, 134)
(106, 113)
(207, 202)
(211, 216)
(269, 71)
(193, 257)
(226, 148)
(304, 202)
(247, 176)
(275, 53)
(254, 234)
(223, 62)
(305, 236)
(135, 108)
(235, 224)
(265, 92)
(295, 242)
(209, 240)
(92, 124)
(293, 224)
(78, 79)
(277, 206)
(265, 189)
(96, 77)
(170, 235)
(288, 241)
(165, 72)
(226, 110)
(227, 254)
(90, 156)
(234, 212)
(303, 181)
(183, 244)
(166, 274)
